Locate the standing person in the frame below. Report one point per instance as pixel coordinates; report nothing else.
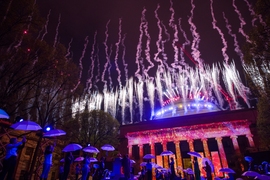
(126, 166)
(117, 163)
(197, 171)
(149, 170)
(47, 161)
(68, 161)
(77, 171)
(85, 167)
(171, 164)
(10, 160)
(61, 172)
(208, 170)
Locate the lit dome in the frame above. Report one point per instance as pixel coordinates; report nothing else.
(185, 107)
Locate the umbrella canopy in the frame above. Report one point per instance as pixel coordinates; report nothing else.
(78, 159)
(132, 161)
(92, 159)
(107, 147)
(166, 153)
(264, 162)
(26, 126)
(54, 133)
(195, 154)
(3, 114)
(251, 174)
(96, 166)
(248, 158)
(149, 156)
(143, 164)
(226, 170)
(72, 147)
(62, 160)
(90, 149)
(263, 177)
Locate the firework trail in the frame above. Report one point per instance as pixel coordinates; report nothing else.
(68, 50)
(109, 68)
(123, 58)
(187, 42)
(91, 67)
(80, 64)
(242, 22)
(164, 55)
(5, 16)
(57, 28)
(122, 102)
(107, 56)
(151, 94)
(106, 96)
(46, 25)
(98, 67)
(196, 38)
(139, 93)
(236, 45)
(175, 39)
(224, 42)
(159, 88)
(147, 49)
(158, 42)
(233, 82)
(139, 46)
(113, 98)
(117, 52)
(130, 98)
(252, 12)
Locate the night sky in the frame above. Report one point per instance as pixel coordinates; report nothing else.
(136, 47)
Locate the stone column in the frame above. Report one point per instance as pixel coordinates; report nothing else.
(222, 152)
(152, 147)
(250, 140)
(205, 148)
(165, 158)
(129, 151)
(235, 144)
(191, 149)
(178, 155)
(141, 152)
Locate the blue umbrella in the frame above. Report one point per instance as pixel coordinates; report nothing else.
(26, 126)
(3, 114)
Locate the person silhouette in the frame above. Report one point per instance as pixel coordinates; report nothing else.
(10, 160)
(47, 161)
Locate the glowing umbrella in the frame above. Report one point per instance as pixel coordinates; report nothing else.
(209, 162)
(251, 174)
(96, 166)
(262, 177)
(166, 153)
(72, 147)
(62, 160)
(90, 149)
(26, 126)
(78, 159)
(143, 164)
(226, 170)
(264, 162)
(195, 154)
(3, 114)
(149, 156)
(248, 158)
(54, 132)
(132, 161)
(92, 159)
(107, 147)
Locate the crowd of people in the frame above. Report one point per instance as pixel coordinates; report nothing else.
(122, 167)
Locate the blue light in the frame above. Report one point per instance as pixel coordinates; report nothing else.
(21, 120)
(48, 128)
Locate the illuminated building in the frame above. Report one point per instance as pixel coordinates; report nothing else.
(218, 135)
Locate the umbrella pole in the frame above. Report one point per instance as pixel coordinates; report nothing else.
(34, 158)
